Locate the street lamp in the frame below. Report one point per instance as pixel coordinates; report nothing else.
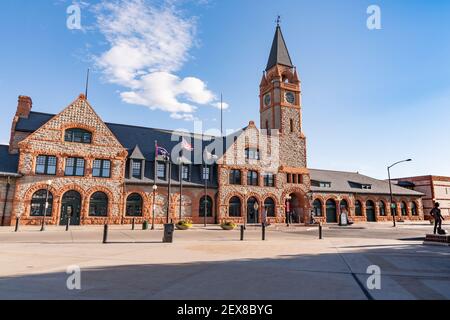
(390, 187)
(49, 183)
(155, 188)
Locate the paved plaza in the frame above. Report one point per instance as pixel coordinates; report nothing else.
(209, 263)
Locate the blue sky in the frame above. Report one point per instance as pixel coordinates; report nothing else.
(370, 97)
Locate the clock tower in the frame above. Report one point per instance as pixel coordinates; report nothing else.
(281, 104)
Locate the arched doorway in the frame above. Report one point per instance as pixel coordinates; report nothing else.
(70, 207)
(370, 211)
(331, 211)
(298, 210)
(252, 210)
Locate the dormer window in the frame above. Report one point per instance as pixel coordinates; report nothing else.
(136, 169)
(321, 184)
(78, 136)
(366, 186)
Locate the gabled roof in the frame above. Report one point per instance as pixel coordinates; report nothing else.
(137, 154)
(346, 182)
(8, 162)
(279, 53)
(129, 136)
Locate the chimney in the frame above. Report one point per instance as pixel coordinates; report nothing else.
(24, 107)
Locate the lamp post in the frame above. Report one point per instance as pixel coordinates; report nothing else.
(205, 200)
(49, 183)
(390, 187)
(169, 185)
(155, 188)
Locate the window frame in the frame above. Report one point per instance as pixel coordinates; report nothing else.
(252, 154)
(161, 165)
(252, 178)
(74, 131)
(75, 167)
(46, 165)
(269, 180)
(235, 177)
(185, 172)
(102, 168)
(134, 164)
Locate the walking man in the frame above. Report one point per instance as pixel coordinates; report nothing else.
(436, 214)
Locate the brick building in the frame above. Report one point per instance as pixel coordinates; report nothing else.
(74, 165)
(435, 189)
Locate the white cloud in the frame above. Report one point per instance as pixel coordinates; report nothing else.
(148, 44)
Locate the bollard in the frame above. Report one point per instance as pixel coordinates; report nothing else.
(242, 233)
(105, 233)
(67, 224)
(263, 231)
(320, 231)
(17, 224)
(133, 224)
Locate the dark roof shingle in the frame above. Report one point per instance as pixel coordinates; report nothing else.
(8, 162)
(345, 182)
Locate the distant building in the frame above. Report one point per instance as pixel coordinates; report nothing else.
(435, 188)
(96, 172)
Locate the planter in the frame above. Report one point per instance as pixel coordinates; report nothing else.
(183, 226)
(228, 226)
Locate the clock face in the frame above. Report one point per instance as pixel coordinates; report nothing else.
(267, 100)
(290, 97)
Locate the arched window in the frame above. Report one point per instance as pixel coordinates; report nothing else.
(358, 208)
(317, 205)
(206, 203)
(98, 205)
(344, 206)
(269, 205)
(38, 204)
(403, 208)
(382, 206)
(134, 205)
(414, 211)
(78, 135)
(235, 207)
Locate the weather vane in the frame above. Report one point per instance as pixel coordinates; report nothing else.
(278, 20)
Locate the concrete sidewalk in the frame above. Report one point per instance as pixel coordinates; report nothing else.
(213, 264)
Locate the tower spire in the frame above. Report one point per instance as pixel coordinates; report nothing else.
(279, 53)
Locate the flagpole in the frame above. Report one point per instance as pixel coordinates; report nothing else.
(87, 84)
(221, 114)
(181, 185)
(169, 186)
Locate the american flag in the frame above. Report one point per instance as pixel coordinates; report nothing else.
(186, 145)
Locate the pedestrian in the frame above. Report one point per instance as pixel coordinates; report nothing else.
(437, 216)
